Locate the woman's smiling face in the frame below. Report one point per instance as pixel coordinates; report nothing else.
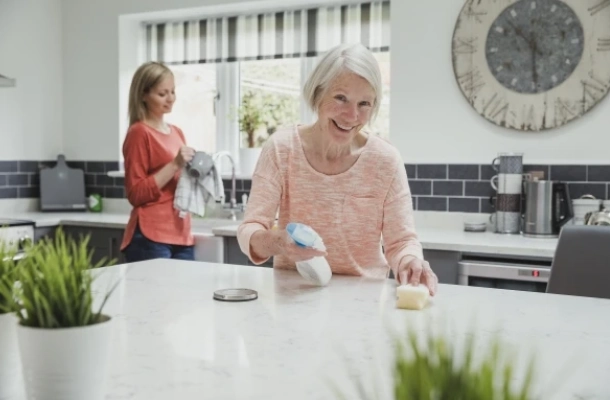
(346, 107)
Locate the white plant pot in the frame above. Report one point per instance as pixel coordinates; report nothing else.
(11, 384)
(248, 157)
(65, 363)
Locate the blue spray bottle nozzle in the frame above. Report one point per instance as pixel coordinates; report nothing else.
(302, 234)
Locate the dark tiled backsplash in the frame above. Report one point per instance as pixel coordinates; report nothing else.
(467, 188)
(434, 187)
(21, 179)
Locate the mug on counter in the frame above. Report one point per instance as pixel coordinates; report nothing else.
(506, 202)
(507, 218)
(507, 183)
(506, 222)
(508, 163)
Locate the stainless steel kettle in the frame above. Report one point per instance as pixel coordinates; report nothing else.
(547, 208)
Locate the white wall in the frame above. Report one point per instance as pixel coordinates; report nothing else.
(30, 51)
(432, 122)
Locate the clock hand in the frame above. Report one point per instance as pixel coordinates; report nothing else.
(519, 32)
(528, 40)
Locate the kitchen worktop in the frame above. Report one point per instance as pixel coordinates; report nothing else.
(173, 341)
(433, 236)
(455, 239)
(105, 220)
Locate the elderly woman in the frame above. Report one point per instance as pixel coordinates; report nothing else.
(348, 185)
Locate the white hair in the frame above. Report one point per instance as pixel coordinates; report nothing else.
(354, 58)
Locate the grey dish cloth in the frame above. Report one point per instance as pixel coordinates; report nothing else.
(192, 194)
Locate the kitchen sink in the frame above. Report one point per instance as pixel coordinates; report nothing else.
(207, 224)
(223, 213)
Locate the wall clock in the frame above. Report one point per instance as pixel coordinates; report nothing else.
(533, 64)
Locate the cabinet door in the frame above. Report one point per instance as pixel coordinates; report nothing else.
(44, 232)
(444, 264)
(234, 255)
(103, 242)
(116, 238)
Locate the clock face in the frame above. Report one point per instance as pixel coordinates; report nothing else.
(533, 64)
(534, 46)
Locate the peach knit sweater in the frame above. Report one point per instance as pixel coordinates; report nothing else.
(351, 211)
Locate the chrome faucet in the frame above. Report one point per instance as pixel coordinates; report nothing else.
(216, 156)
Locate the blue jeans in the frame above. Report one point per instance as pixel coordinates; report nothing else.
(141, 248)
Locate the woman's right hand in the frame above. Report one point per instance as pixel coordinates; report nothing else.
(184, 156)
(287, 247)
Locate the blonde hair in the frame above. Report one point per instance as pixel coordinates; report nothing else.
(146, 77)
(354, 58)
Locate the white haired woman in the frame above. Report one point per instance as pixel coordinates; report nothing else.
(348, 185)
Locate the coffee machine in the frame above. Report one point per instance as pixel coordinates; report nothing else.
(547, 208)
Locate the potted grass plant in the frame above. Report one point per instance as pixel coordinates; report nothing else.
(440, 367)
(63, 340)
(436, 371)
(10, 371)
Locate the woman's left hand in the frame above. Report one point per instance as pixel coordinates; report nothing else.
(418, 271)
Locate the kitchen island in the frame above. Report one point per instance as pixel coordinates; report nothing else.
(173, 341)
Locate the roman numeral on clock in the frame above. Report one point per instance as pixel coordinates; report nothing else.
(471, 12)
(603, 44)
(471, 82)
(496, 107)
(465, 45)
(593, 90)
(529, 117)
(563, 111)
(599, 7)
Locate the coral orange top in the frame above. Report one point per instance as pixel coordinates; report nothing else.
(350, 211)
(146, 151)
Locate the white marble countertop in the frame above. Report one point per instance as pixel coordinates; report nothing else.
(90, 219)
(173, 341)
(105, 220)
(453, 239)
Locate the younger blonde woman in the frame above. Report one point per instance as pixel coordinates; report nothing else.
(154, 153)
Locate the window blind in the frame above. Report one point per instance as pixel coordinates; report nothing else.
(284, 34)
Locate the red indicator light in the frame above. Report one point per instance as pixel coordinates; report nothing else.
(536, 273)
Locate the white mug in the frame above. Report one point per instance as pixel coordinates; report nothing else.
(507, 183)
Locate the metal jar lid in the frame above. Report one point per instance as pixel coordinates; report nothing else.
(235, 295)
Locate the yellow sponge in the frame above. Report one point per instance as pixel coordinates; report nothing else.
(412, 297)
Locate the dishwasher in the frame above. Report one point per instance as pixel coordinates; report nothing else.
(530, 275)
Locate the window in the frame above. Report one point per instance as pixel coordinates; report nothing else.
(272, 85)
(261, 60)
(270, 89)
(194, 110)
